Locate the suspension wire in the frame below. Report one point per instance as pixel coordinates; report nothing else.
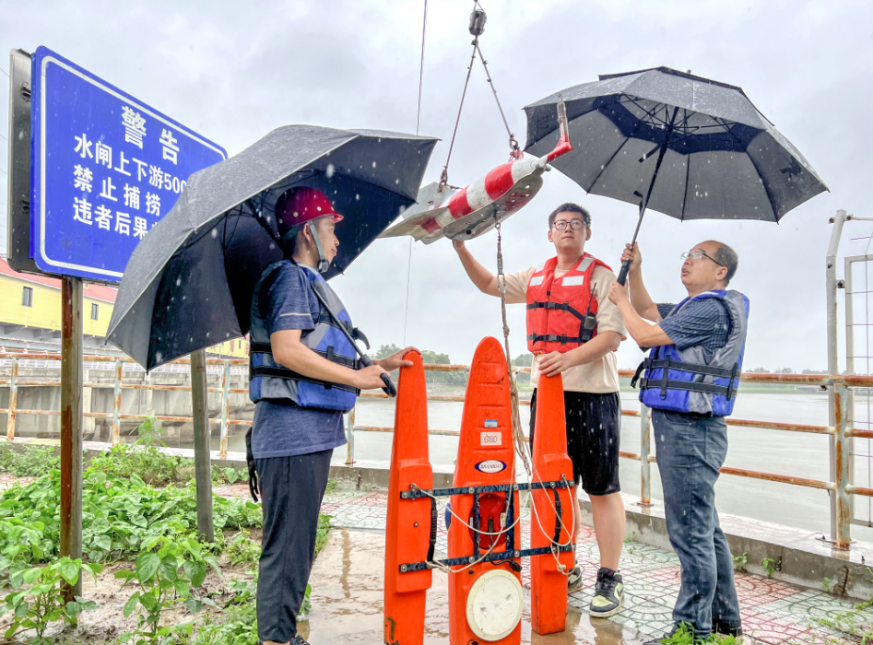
(445, 175)
(417, 126)
(513, 143)
(513, 387)
(421, 68)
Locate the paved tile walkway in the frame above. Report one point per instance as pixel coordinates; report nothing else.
(774, 612)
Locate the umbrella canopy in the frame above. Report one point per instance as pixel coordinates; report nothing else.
(683, 145)
(188, 284)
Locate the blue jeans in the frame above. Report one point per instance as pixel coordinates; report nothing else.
(690, 450)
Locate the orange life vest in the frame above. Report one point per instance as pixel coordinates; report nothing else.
(561, 311)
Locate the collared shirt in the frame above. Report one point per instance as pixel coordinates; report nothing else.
(597, 377)
(281, 428)
(706, 323)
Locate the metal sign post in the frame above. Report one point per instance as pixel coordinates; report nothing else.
(202, 462)
(71, 426)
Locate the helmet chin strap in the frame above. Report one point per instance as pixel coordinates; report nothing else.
(323, 264)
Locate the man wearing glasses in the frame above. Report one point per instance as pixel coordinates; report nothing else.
(573, 330)
(690, 382)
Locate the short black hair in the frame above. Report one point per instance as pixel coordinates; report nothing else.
(570, 207)
(729, 259)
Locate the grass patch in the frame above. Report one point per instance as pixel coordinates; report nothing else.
(34, 461)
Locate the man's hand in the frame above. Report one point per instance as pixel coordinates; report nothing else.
(632, 254)
(458, 245)
(618, 292)
(395, 361)
(369, 378)
(554, 363)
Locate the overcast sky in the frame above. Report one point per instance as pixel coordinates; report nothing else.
(234, 71)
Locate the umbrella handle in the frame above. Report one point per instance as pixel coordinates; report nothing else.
(390, 389)
(622, 275)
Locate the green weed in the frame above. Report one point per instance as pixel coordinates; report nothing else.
(684, 635)
(33, 461)
(243, 550)
(769, 565)
(229, 475)
(120, 513)
(145, 459)
(321, 535)
(43, 602)
(165, 579)
(740, 562)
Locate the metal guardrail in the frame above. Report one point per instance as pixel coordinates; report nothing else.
(841, 431)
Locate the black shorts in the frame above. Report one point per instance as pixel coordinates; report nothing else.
(593, 433)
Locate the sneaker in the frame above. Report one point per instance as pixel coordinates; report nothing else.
(608, 594)
(299, 640)
(574, 580)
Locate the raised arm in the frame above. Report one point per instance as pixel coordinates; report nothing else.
(639, 295)
(484, 280)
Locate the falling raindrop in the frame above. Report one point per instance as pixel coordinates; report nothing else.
(330, 170)
(178, 282)
(214, 233)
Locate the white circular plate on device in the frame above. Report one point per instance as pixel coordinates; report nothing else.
(494, 605)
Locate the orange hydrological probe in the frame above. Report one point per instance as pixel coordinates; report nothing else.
(410, 532)
(548, 610)
(485, 599)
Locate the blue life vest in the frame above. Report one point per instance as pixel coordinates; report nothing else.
(270, 380)
(691, 380)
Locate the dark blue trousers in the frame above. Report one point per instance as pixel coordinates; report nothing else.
(292, 489)
(690, 450)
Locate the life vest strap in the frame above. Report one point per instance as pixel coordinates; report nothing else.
(697, 368)
(560, 306)
(355, 364)
(291, 375)
(689, 386)
(563, 339)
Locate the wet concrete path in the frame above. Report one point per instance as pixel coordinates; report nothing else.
(347, 600)
(347, 590)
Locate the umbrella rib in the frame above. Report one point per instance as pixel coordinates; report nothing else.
(766, 188)
(685, 196)
(617, 150)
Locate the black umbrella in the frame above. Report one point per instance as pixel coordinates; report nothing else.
(683, 145)
(188, 284)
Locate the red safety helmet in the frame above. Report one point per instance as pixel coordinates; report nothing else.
(300, 205)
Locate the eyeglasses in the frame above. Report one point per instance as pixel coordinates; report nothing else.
(575, 224)
(698, 255)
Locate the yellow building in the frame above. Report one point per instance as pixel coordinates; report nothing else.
(30, 310)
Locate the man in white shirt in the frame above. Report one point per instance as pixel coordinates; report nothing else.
(574, 329)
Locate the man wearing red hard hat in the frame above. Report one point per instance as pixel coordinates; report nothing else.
(304, 374)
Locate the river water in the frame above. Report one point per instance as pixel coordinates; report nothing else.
(786, 453)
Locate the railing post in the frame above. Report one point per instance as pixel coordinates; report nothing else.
(225, 405)
(13, 401)
(842, 537)
(350, 435)
(645, 449)
(833, 352)
(116, 404)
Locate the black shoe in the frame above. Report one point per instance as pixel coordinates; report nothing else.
(698, 640)
(726, 629)
(299, 640)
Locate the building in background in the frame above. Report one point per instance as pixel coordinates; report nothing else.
(30, 313)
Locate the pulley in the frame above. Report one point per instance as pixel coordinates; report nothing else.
(477, 21)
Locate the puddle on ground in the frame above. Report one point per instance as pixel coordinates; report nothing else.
(347, 601)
